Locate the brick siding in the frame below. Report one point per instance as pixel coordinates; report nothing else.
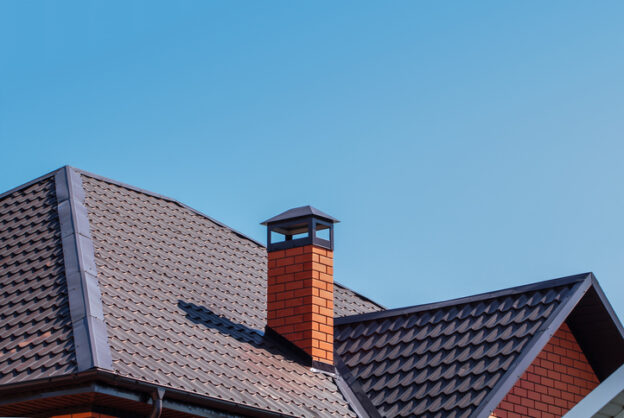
(300, 299)
(559, 377)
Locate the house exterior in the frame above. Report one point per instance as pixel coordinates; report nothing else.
(118, 302)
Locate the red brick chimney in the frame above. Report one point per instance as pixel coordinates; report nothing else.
(300, 294)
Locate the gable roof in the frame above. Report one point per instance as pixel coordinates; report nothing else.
(459, 358)
(150, 290)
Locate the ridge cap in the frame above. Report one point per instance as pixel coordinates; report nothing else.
(85, 302)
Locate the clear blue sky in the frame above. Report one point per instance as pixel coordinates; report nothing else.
(466, 146)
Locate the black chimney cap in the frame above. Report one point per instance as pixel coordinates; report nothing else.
(298, 227)
(299, 213)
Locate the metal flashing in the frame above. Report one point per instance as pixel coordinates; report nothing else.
(85, 304)
(459, 301)
(297, 353)
(169, 199)
(534, 347)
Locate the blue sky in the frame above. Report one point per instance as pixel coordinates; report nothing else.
(465, 146)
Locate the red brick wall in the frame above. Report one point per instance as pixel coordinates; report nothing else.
(558, 379)
(300, 299)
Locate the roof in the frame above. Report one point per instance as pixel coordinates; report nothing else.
(102, 280)
(37, 340)
(606, 401)
(161, 294)
(459, 358)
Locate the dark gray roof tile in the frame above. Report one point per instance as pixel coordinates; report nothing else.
(36, 328)
(184, 303)
(443, 360)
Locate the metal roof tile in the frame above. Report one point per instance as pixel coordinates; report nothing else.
(183, 298)
(37, 338)
(446, 359)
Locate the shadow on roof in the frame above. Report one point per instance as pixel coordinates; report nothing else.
(269, 342)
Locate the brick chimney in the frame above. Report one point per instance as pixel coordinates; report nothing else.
(300, 294)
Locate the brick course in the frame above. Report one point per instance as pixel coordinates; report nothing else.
(300, 299)
(559, 377)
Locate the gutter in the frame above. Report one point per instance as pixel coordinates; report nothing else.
(65, 385)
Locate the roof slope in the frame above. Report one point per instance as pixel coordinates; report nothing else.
(184, 300)
(450, 359)
(182, 297)
(36, 328)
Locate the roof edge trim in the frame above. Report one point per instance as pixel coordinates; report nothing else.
(562, 281)
(169, 199)
(85, 302)
(534, 347)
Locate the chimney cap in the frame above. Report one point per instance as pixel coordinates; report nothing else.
(300, 212)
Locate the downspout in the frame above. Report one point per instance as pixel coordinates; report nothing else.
(157, 397)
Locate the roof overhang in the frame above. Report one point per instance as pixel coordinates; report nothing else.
(39, 396)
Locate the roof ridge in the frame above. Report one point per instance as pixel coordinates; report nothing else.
(85, 302)
(169, 199)
(562, 281)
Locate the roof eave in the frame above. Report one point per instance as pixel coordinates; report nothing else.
(34, 389)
